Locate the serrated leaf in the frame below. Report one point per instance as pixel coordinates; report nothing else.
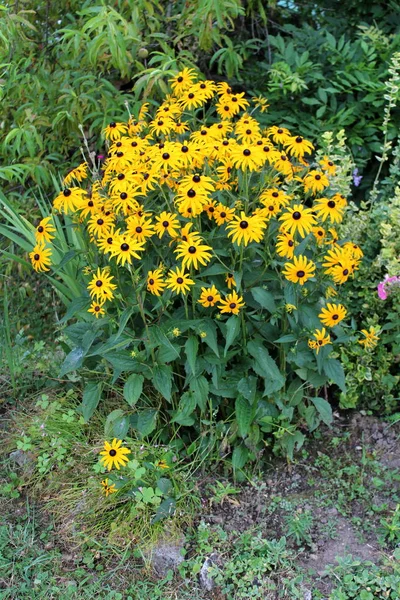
(264, 298)
(334, 370)
(162, 380)
(191, 349)
(239, 457)
(265, 366)
(146, 422)
(324, 409)
(91, 398)
(133, 388)
(232, 330)
(244, 415)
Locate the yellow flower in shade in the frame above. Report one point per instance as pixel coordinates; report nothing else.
(178, 281)
(209, 208)
(190, 202)
(282, 164)
(40, 258)
(197, 182)
(192, 253)
(155, 283)
(315, 181)
(161, 464)
(68, 200)
(125, 247)
(114, 131)
(203, 334)
(275, 196)
(371, 337)
(230, 280)
(223, 214)
(108, 488)
(332, 314)
(338, 257)
(192, 98)
(328, 208)
(232, 304)
(244, 229)
(209, 296)
(114, 455)
(44, 230)
(298, 146)
(96, 309)
(300, 270)
(106, 241)
(354, 250)
(319, 234)
(290, 308)
(182, 81)
(298, 218)
(78, 174)
(260, 103)
(330, 292)
(341, 273)
(285, 244)
(166, 222)
(176, 332)
(100, 286)
(321, 339)
(328, 165)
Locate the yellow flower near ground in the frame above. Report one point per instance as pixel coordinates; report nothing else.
(114, 455)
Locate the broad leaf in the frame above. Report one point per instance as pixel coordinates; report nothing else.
(244, 415)
(91, 398)
(334, 370)
(191, 349)
(324, 409)
(232, 330)
(162, 380)
(264, 298)
(133, 388)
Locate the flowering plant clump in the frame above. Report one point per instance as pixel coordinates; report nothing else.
(206, 271)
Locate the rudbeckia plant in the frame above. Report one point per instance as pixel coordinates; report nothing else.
(186, 246)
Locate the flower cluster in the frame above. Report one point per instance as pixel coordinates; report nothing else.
(190, 191)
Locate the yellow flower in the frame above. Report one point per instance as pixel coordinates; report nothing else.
(182, 81)
(329, 208)
(327, 165)
(161, 464)
(78, 174)
(203, 335)
(223, 214)
(290, 308)
(176, 332)
(260, 103)
(114, 455)
(96, 308)
(321, 339)
(166, 222)
(155, 283)
(108, 488)
(114, 130)
(68, 200)
(44, 231)
(244, 229)
(332, 314)
(285, 244)
(315, 181)
(298, 146)
(232, 304)
(371, 337)
(125, 247)
(100, 286)
(230, 280)
(40, 258)
(193, 252)
(209, 296)
(248, 156)
(300, 270)
(139, 227)
(178, 281)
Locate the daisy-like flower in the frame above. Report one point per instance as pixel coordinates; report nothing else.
(328, 165)
(321, 338)
(192, 98)
(166, 222)
(140, 228)
(315, 181)
(223, 214)
(337, 256)
(282, 164)
(330, 292)
(44, 230)
(125, 247)
(108, 488)
(298, 218)
(280, 135)
(249, 156)
(298, 146)
(332, 314)
(114, 131)
(290, 308)
(197, 182)
(209, 296)
(285, 244)
(114, 455)
(244, 229)
(100, 224)
(178, 281)
(329, 208)
(261, 103)
(161, 464)
(232, 304)
(193, 253)
(182, 81)
(105, 243)
(274, 195)
(78, 174)
(319, 234)
(209, 208)
(341, 273)
(96, 308)
(40, 258)
(230, 280)
(354, 250)
(163, 125)
(155, 282)
(371, 337)
(68, 200)
(176, 332)
(190, 202)
(300, 270)
(101, 285)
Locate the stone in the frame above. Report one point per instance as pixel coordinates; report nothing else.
(25, 460)
(165, 556)
(206, 581)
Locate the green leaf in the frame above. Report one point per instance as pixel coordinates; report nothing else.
(165, 510)
(146, 422)
(266, 367)
(232, 330)
(324, 409)
(264, 299)
(200, 388)
(191, 348)
(334, 370)
(244, 415)
(91, 398)
(162, 380)
(133, 388)
(109, 424)
(239, 456)
(75, 306)
(209, 328)
(72, 361)
(248, 387)
(286, 339)
(158, 338)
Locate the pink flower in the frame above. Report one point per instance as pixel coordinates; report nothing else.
(388, 281)
(381, 291)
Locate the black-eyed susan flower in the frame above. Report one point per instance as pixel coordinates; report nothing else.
(232, 304)
(341, 273)
(79, 174)
(290, 308)
(192, 98)
(332, 314)
(166, 222)
(114, 455)
(315, 181)
(223, 214)
(285, 244)
(274, 195)
(330, 292)
(300, 270)
(371, 337)
(298, 218)
(247, 156)
(182, 81)
(199, 183)
(178, 281)
(108, 488)
(327, 208)
(161, 464)
(297, 146)
(245, 229)
(155, 282)
(282, 164)
(319, 234)
(101, 285)
(125, 247)
(354, 250)
(328, 165)
(105, 242)
(321, 338)
(260, 103)
(44, 231)
(100, 225)
(209, 296)
(140, 228)
(335, 257)
(280, 135)
(193, 253)
(230, 280)
(40, 258)
(68, 200)
(115, 130)
(97, 308)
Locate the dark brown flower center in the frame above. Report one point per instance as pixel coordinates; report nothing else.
(100, 222)
(179, 280)
(113, 124)
(123, 196)
(192, 250)
(97, 308)
(165, 156)
(232, 305)
(345, 272)
(210, 298)
(99, 283)
(246, 152)
(318, 177)
(36, 257)
(300, 274)
(335, 317)
(280, 131)
(40, 229)
(67, 192)
(196, 178)
(191, 96)
(299, 139)
(191, 193)
(243, 224)
(124, 247)
(290, 243)
(109, 240)
(296, 215)
(120, 154)
(180, 79)
(90, 203)
(331, 204)
(151, 281)
(120, 176)
(139, 229)
(223, 215)
(113, 452)
(185, 149)
(165, 224)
